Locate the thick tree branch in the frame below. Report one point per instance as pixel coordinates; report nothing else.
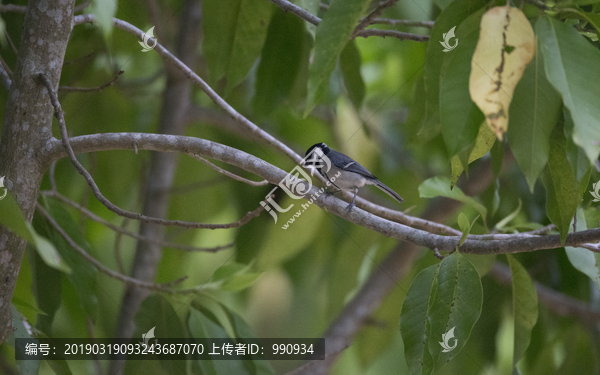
(59, 114)
(263, 137)
(168, 143)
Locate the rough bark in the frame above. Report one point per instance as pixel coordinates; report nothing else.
(28, 126)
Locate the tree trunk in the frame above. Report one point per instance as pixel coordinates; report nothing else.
(28, 126)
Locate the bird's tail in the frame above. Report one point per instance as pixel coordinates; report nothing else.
(388, 191)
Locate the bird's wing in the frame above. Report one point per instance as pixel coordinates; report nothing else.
(352, 166)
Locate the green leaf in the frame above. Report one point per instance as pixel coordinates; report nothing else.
(575, 155)
(29, 367)
(584, 260)
(502, 223)
(451, 16)
(457, 301)
(311, 6)
(460, 117)
(440, 186)
(280, 62)
(332, 36)
(156, 311)
(24, 305)
(570, 60)
(465, 227)
(533, 113)
(413, 322)
(442, 298)
(242, 331)
(525, 307)
(484, 143)
(104, 10)
(201, 326)
(442, 4)
(48, 252)
(562, 188)
(234, 34)
(12, 217)
(482, 263)
(47, 288)
(350, 66)
(84, 275)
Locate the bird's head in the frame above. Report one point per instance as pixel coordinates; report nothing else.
(314, 156)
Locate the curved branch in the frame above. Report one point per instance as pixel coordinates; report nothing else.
(59, 114)
(121, 230)
(100, 266)
(242, 121)
(169, 143)
(229, 174)
(92, 89)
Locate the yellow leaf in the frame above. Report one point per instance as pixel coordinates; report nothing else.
(506, 45)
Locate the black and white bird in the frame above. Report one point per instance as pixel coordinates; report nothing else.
(352, 175)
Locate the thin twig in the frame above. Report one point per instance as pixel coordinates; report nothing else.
(392, 21)
(6, 67)
(13, 8)
(394, 34)
(5, 78)
(307, 16)
(59, 113)
(395, 22)
(92, 89)
(81, 6)
(241, 121)
(119, 229)
(10, 42)
(229, 174)
(368, 20)
(78, 59)
(117, 246)
(51, 176)
(101, 267)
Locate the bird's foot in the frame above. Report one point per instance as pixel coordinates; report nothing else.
(349, 208)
